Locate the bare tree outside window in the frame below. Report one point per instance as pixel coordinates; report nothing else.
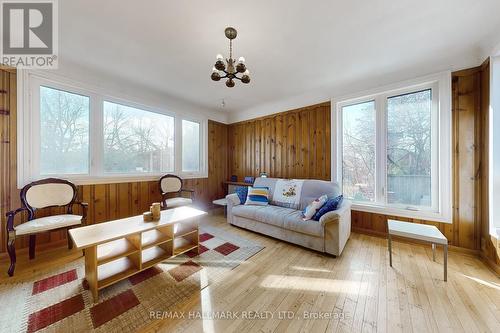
(190, 146)
(64, 132)
(358, 150)
(137, 141)
(409, 149)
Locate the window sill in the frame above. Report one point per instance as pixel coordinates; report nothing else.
(398, 212)
(114, 179)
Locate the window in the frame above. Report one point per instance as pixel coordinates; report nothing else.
(387, 147)
(137, 141)
(87, 137)
(358, 159)
(64, 132)
(190, 146)
(409, 156)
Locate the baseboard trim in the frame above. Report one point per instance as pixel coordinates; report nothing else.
(490, 263)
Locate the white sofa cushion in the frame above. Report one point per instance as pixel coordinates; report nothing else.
(178, 202)
(47, 223)
(270, 214)
(282, 217)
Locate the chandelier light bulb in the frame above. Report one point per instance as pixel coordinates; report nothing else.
(241, 60)
(247, 72)
(220, 57)
(214, 70)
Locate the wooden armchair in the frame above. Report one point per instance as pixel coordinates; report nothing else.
(172, 185)
(50, 192)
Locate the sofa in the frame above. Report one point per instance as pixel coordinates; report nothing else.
(328, 235)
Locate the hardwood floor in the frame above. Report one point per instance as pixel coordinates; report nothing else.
(357, 291)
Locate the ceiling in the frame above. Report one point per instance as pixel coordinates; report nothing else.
(291, 47)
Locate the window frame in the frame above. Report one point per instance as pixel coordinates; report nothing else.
(200, 144)
(494, 148)
(28, 133)
(441, 176)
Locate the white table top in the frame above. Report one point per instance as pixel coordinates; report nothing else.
(424, 232)
(104, 232)
(221, 202)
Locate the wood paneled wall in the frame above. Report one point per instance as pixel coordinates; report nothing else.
(106, 201)
(490, 246)
(8, 149)
(292, 144)
(296, 144)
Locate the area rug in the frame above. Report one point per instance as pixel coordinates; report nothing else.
(58, 300)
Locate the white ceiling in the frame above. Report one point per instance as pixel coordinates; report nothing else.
(292, 47)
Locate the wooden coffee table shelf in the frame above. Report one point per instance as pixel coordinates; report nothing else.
(182, 245)
(118, 249)
(114, 250)
(155, 237)
(154, 255)
(115, 271)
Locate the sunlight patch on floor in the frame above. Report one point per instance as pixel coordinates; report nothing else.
(206, 307)
(482, 282)
(309, 269)
(314, 284)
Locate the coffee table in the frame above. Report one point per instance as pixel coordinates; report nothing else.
(421, 232)
(118, 249)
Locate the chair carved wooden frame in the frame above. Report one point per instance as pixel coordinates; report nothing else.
(45, 193)
(172, 184)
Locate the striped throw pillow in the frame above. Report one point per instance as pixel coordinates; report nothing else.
(257, 196)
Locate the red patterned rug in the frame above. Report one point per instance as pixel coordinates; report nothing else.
(58, 301)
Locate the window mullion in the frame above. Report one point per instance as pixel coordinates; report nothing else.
(178, 145)
(381, 150)
(96, 136)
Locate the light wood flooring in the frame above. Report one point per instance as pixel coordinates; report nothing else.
(356, 292)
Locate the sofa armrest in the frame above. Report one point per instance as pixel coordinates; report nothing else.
(232, 201)
(337, 228)
(335, 215)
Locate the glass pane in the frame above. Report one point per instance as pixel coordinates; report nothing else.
(358, 151)
(409, 149)
(137, 141)
(64, 132)
(190, 146)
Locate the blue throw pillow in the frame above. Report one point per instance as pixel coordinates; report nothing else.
(331, 205)
(242, 192)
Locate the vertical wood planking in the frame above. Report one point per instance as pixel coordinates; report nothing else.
(292, 144)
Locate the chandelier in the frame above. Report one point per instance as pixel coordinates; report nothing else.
(232, 67)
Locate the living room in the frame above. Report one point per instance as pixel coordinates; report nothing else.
(291, 166)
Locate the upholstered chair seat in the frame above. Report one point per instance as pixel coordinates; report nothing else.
(47, 223)
(178, 202)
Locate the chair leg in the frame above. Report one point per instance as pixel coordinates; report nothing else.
(11, 249)
(70, 242)
(32, 246)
